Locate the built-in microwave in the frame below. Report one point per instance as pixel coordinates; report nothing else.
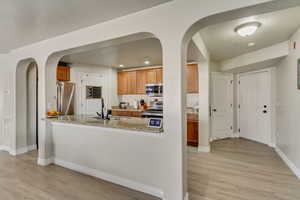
(154, 90)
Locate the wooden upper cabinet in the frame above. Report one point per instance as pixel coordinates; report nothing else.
(131, 82)
(122, 83)
(159, 75)
(141, 80)
(151, 76)
(63, 73)
(192, 78)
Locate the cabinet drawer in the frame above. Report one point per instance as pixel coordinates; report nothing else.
(126, 113)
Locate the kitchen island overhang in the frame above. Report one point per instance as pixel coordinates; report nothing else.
(131, 158)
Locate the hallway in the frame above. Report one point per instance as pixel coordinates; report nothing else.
(239, 169)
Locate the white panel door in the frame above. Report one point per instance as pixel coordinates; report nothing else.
(91, 106)
(255, 101)
(222, 105)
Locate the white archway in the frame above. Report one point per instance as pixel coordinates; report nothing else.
(26, 106)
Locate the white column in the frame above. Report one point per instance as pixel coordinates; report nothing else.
(45, 140)
(174, 120)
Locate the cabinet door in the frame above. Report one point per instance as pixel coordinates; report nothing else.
(136, 114)
(192, 133)
(159, 75)
(141, 80)
(192, 78)
(121, 113)
(122, 83)
(151, 76)
(63, 73)
(131, 82)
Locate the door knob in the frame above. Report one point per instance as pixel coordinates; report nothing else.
(264, 111)
(215, 110)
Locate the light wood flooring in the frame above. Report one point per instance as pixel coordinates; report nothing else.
(239, 169)
(236, 169)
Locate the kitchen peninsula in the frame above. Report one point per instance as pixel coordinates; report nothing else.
(110, 150)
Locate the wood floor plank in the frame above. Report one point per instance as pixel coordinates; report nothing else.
(239, 169)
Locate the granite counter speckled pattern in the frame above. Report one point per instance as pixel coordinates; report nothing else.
(127, 123)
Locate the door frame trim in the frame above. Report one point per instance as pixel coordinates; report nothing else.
(268, 70)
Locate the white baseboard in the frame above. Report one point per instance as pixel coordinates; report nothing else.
(23, 150)
(273, 145)
(288, 162)
(45, 162)
(111, 178)
(205, 149)
(32, 147)
(5, 148)
(186, 196)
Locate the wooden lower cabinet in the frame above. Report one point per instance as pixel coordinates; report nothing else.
(125, 113)
(192, 130)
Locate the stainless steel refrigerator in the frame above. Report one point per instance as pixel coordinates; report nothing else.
(65, 98)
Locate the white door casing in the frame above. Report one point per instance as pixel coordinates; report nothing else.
(221, 105)
(254, 111)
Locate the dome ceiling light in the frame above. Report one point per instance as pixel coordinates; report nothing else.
(247, 29)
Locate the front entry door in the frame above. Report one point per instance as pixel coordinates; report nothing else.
(222, 105)
(254, 109)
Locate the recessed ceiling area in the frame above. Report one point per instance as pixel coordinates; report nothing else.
(224, 43)
(26, 22)
(131, 54)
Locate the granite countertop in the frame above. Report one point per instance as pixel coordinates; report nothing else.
(127, 123)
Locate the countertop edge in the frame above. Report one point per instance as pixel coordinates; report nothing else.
(78, 124)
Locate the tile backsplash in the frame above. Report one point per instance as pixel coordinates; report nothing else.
(132, 98)
(192, 99)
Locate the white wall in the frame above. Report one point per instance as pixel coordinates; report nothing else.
(256, 60)
(288, 108)
(110, 86)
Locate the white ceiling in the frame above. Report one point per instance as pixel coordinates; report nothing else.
(27, 21)
(132, 54)
(223, 43)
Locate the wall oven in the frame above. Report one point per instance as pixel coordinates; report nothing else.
(154, 90)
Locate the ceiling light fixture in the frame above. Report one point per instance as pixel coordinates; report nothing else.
(247, 29)
(146, 62)
(121, 65)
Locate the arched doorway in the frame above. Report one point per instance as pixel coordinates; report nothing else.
(26, 106)
(196, 161)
